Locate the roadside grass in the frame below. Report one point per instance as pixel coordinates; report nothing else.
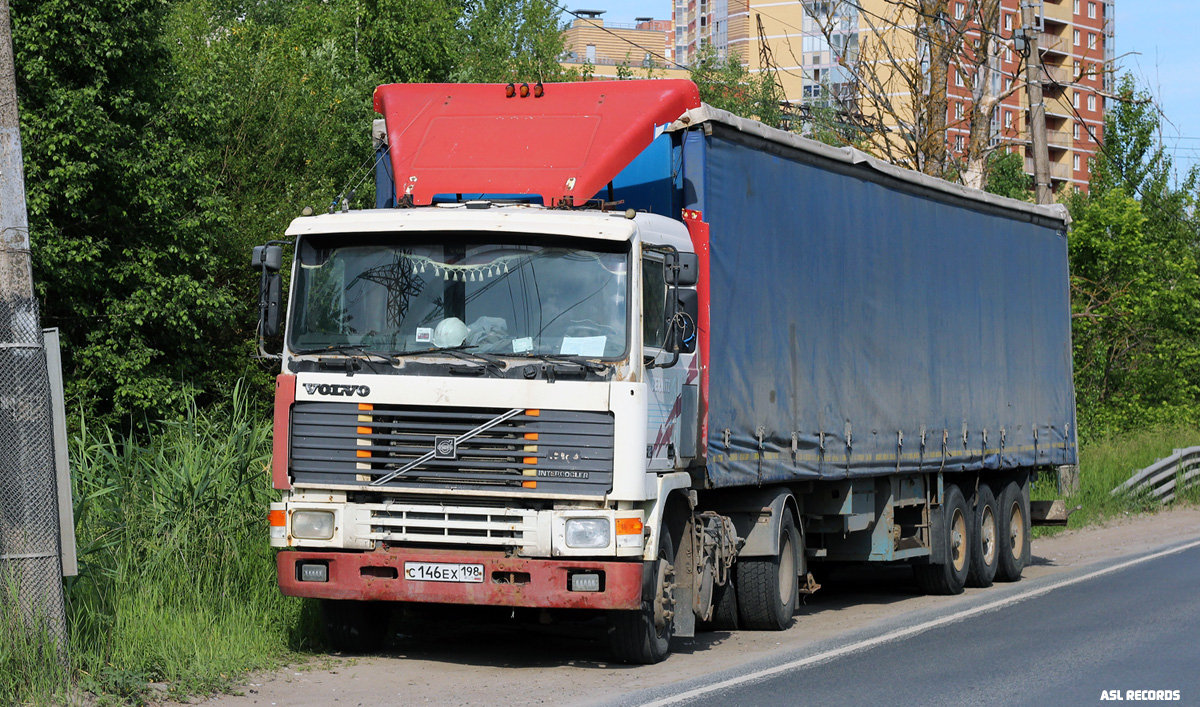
(177, 579)
(1108, 462)
(31, 670)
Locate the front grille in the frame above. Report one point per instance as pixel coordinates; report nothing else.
(453, 525)
(540, 450)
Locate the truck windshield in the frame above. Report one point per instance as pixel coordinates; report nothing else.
(524, 297)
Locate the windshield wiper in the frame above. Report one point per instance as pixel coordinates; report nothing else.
(567, 358)
(463, 352)
(345, 349)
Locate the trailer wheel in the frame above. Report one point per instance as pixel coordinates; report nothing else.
(767, 586)
(985, 550)
(1013, 528)
(951, 576)
(355, 626)
(643, 636)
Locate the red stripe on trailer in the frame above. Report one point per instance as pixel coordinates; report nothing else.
(698, 230)
(565, 146)
(507, 581)
(285, 395)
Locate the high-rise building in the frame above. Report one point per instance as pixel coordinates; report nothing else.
(821, 49)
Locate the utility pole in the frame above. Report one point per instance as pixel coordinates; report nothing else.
(1037, 106)
(30, 556)
(16, 275)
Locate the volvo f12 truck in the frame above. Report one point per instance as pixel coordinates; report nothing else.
(603, 348)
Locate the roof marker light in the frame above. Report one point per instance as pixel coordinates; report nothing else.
(538, 90)
(510, 91)
(524, 90)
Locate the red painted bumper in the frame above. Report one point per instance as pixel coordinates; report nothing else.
(379, 575)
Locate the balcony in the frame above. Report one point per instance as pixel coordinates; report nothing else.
(1055, 48)
(1058, 171)
(1059, 139)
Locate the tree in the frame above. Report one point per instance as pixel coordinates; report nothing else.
(1006, 176)
(725, 83)
(123, 227)
(900, 64)
(1135, 283)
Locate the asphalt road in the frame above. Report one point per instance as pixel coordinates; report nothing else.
(1127, 625)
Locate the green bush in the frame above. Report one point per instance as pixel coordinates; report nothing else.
(177, 579)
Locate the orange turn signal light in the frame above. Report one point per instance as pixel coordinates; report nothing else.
(529, 484)
(629, 526)
(277, 519)
(366, 406)
(533, 413)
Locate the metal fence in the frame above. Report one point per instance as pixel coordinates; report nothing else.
(30, 566)
(1165, 477)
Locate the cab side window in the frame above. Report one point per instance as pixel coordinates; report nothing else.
(654, 303)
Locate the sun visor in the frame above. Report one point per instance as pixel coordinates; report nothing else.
(565, 144)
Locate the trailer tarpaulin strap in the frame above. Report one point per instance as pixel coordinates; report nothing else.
(564, 145)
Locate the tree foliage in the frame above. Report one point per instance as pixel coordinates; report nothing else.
(1006, 176)
(724, 83)
(1135, 279)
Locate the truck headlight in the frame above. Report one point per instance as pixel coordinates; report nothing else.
(312, 525)
(587, 532)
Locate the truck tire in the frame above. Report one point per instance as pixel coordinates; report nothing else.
(767, 586)
(1012, 525)
(355, 626)
(950, 577)
(985, 550)
(725, 609)
(643, 636)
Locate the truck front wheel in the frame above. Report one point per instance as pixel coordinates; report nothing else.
(355, 626)
(767, 586)
(643, 636)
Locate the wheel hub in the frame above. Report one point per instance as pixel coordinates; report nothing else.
(664, 599)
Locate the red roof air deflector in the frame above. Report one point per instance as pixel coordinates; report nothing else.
(471, 138)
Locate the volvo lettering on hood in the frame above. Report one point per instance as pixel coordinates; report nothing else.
(345, 391)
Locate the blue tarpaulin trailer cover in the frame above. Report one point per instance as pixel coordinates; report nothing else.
(865, 320)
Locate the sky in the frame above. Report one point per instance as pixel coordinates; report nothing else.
(1157, 37)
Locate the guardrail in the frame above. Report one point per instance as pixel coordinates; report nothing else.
(1165, 476)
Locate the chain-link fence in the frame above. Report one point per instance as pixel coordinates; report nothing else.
(30, 564)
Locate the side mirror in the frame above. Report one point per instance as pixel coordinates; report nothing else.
(269, 300)
(689, 271)
(267, 257)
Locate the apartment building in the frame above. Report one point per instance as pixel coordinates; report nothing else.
(646, 46)
(817, 47)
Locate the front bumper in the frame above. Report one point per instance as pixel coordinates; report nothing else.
(507, 581)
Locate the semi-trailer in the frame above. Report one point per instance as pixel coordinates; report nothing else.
(601, 347)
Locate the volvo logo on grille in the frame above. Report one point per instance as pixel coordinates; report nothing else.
(336, 389)
(444, 448)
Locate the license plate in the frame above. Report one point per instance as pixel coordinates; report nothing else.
(442, 572)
